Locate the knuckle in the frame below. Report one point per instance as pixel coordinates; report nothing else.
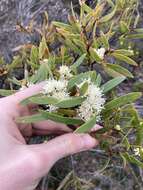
(74, 143)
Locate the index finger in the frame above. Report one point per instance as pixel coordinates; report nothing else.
(31, 91)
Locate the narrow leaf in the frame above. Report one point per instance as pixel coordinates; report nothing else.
(119, 69)
(86, 127)
(135, 36)
(79, 79)
(44, 100)
(132, 159)
(41, 75)
(124, 58)
(123, 100)
(62, 25)
(31, 119)
(71, 102)
(98, 80)
(78, 62)
(124, 52)
(94, 55)
(108, 17)
(60, 119)
(112, 83)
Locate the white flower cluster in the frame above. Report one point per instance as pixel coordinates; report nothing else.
(100, 52)
(93, 104)
(137, 151)
(56, 89)
(65, 72)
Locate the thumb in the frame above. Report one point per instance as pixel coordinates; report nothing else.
(60, 147)
(23, 94)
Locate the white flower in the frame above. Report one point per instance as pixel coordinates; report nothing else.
(51, 108)
(93, 104)
(56, 89)
(65, 72)
(118, 127)
(137, 151)
(100, 52)
(44, 61)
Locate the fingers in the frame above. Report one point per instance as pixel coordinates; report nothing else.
(63, 146)
(48, 153)
(36, 132)
(49, 127)
(95, 128)
(33, 90)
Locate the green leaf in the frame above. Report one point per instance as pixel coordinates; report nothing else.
(86, 8)
(43, 49)
(6, 92)
(126, 142)
(124, 160)
(76, 27)
(2, 62)
(124, 58)
(124, 52)
(94, 55)
(119, 69)
(79, 43)
(139, 134)
(27, 100)
(135, 36)
(78, 62)
(124, 27)
(60, 119)
(104, 40)
(93, 76)
(112, 72)
(72, 46)
(14, 81)
(44, 100)
(84, 88)
(86, 127)
(41, 75)
(15, 63)
(139, 30)
(123, 100)
(112, 83)
(79, 79)
(108, 17)
(71, 102)
(30, 119)
(62, 25)
(110, 2)
(98, 80)
(34, 56)
(132, 159)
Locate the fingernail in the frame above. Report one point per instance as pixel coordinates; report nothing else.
(96, 127)
(88, 141)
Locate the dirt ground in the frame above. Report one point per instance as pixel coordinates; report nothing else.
(88, 168)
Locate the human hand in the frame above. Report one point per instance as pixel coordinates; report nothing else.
(22, 165)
